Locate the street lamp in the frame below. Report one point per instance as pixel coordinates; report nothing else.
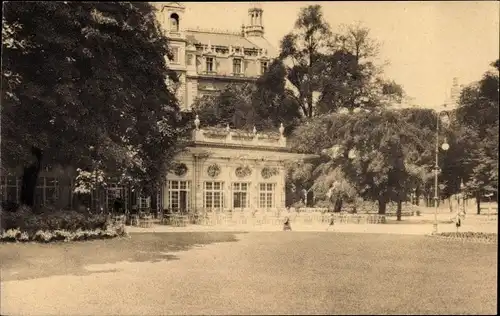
(443, 117)
(462, 195)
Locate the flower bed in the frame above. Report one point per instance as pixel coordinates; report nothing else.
(468, 236)
(49, 226)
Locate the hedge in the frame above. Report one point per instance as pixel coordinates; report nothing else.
(468, 236)
(56, 225)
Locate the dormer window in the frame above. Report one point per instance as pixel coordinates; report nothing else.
(263, 67)
(174, 22)
(237, 66)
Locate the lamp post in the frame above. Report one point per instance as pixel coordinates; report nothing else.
(441, 116)
(462, 194)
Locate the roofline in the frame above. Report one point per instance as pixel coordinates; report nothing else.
(238, 146)
(214, 31)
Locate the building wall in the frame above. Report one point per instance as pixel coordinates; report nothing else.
(228, 161)
(191, 60)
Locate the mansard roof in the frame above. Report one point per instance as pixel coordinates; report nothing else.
(219, 38)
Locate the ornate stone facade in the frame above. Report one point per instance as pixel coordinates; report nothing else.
(209, 60)
(230, 170)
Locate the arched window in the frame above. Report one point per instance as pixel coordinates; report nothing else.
(174, 22)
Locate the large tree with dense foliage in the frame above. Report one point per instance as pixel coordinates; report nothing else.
(304, 48)
(338, 68)
(375, 150)
(265, 104)
(85, 83)
(477, 116)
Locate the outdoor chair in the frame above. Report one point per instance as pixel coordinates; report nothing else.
(119, 219)
(146, 221)
(134, 219)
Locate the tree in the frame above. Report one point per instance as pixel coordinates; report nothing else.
(373, 149)
(303, 49)
(273, 102)
(232, 106)
(340, 69)
(478, 113)
(351, 79)
(97, 95)
(265, 104)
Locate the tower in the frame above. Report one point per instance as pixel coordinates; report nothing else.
(455, 92)
(255, 27)
(171, 18)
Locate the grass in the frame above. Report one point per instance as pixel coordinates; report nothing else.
(33, 260)
(267, 273)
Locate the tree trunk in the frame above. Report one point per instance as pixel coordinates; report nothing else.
(338, 205)
(427, 201)
(417, 196)
(382, 203)
(399, 210)
(478, 203)
(30, 178)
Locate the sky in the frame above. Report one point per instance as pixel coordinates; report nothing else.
(425, 43)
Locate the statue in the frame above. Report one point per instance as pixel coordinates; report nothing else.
(197, 122)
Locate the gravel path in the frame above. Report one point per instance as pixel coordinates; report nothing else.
(278, 273)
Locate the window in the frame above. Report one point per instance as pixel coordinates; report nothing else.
(210, 64)
(47, 191)
(214, 195)
(266, 195)
(175, 55)
(179, 195)
(144, 202)
(10, 188)
(114, 191)
(263, 67)
(174, 22)
(240, 195)
(237, 66)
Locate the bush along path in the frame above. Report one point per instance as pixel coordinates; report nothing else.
(49, 226)
(489, 238)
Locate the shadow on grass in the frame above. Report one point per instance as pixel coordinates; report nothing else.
(21, 261)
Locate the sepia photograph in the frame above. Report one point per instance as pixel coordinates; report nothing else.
(249, 158)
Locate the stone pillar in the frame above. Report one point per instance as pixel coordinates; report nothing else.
(282, 189)
(254, 187)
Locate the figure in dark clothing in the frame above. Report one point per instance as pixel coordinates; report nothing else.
(118, 206)
(286, 225)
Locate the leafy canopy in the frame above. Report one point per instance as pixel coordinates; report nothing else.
(85, 82)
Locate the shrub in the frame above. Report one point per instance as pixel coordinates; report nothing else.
(492, 237)
(57, 225)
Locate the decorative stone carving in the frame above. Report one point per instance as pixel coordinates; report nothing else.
(243, 171)
(213, 170)
(281, 129)
(180, 169)
(268, 172)
(197, 122)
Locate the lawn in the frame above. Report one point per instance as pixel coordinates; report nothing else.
(32, 260)
(260, 273)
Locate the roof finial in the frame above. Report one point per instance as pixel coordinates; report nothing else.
(281, 129)
(228, 128)
(254, 130)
